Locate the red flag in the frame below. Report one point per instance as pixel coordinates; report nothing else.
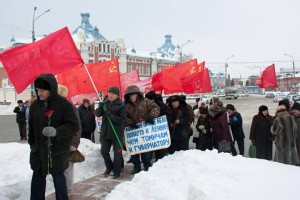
(201, 66)
(173, 74)
(128, 79)
(157, 82)
(196, 83)
(53, 54)
(103, 74)
(268, 78)
(145, 85)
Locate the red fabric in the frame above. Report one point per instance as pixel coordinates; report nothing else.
(145, 85)
(196, 83)
(128, 79)
(173, 74)
(201, 66)
(54, 54)
(157, 82)
(268, 78)
(103, 74)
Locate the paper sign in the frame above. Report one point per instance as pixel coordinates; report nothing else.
(148, 137)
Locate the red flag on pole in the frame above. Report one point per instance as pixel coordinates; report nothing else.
(128, 79)
(173, 74)
(54, 54)
(145, 85)
(103, 74)
(201, 66)
(268, 78)
(196, 83)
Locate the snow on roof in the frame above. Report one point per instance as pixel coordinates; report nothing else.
(147, 54)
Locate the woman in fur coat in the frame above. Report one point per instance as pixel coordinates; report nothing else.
(285, 130)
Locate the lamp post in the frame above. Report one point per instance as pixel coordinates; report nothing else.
(186, 43)
(293, 70)
(226, 66)
(34, 19)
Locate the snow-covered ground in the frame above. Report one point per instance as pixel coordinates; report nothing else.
(188, 175)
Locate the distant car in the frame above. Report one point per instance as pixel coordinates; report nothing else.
(241, 94)
(206, 98)
(270, 95)
(279, 96)
(293, 98)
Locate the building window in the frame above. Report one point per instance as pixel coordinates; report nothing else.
(104, 50)
(129, 68)
(108, 49)
(100, 47)
(90, 61)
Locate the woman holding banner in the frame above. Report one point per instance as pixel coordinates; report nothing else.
(139, 109)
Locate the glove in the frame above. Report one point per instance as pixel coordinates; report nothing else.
(134, 126)
(49, 131)
(150, 120)
(201, 127)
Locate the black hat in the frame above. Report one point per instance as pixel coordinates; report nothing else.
(296, 106)
(285, 102)
(42, 84)
(203, 110)
(114, 90)
(174, 98)
(262, 108)
(230, 107)
(85, 101)
(19, 101)
(182, 97)
(151, 95)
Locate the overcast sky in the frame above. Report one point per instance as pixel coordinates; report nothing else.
(256, 32)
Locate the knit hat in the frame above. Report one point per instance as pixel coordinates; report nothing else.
(42, 84)
(114, 90)
(203, 110)
(262, 108)
(296, 106)
(230, 107)
(19, 101)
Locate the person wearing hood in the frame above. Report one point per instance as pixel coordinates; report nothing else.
(52, 123)
(139, 109)
(180, 125)
(260, 133)
(285, 131)
(236, 124)
(87, 119)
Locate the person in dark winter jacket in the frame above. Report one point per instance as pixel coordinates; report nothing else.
(164, 110)
(112, 109)
(260, 133)
(285, 130)
(236, 124)
(296, 114)
(139, 109)
(219, 124)
(21, 119)
(87, 119)
(52, 123)
(180, 126)
(203, 126)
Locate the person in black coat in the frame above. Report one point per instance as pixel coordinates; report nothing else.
(52, 123)
(114, 109)
(236, 124)
(260, 133)
(21, 119)
(87, 119)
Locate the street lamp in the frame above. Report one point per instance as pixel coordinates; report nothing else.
(293, 70)
(186, 43)
(33, 20)
(226, 65)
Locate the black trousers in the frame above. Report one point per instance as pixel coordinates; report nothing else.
(38, 186)
(241, 147)
(22, 130)
(115, 165)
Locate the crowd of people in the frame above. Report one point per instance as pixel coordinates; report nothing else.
(55, 127)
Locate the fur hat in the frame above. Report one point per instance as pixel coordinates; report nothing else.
(114, 90)
(42, 84)
(174, 98)
(62, 90)
(151, 95)
(262, 108)
(214, 110)
(230, 107)
(285, 102)
(203, 110)
(296, 106)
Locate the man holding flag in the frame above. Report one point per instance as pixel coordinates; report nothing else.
(113, 114)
